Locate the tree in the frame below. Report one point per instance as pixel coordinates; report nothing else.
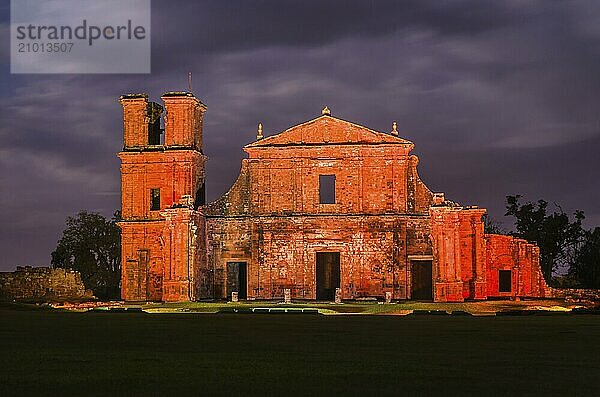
(558, 237)
(586, 266)
(91, 244)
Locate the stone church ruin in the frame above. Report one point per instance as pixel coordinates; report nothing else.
(325, 207)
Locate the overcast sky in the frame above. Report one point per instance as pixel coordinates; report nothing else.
(499, 97)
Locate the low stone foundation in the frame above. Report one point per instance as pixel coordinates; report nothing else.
(42, 284)
(578, 295)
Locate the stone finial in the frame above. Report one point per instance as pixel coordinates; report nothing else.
(394, 129)
(326, 111)
(259, 133)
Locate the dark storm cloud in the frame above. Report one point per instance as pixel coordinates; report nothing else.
(235, 25)
(499, 98)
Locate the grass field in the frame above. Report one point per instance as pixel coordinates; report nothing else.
(401, 307)
(114, 354)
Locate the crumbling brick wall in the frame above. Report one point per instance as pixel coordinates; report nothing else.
(468, 262)
(42, 284)
(519, 257)
(282, 251)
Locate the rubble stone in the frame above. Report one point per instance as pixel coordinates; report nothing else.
(42, 284)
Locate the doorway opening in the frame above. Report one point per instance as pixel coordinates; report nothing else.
(237, 279)
(504, 281)
(327, 275)
(421, 280)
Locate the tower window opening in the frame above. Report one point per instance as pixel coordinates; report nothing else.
(155, 130)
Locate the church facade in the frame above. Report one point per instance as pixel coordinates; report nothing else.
(325, 210)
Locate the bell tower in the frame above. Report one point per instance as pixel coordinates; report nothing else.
(162, 188)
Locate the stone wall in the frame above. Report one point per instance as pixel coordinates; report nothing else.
(459, 253)
(468, 263)
(281, 253)
(42, 284)
(374, 172)
(519, 257)
(578, 295)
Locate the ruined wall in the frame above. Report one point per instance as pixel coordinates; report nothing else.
(521, 259)
(281, 253)
(142, 261)
(419, 197)
(472, 253)
(468, 262)
(165, 259)
(184, 253)
(42, 284)
(175, 173)
(580, 296)
(459, 253)
(290, 184)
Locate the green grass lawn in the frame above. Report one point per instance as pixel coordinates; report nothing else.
(115, 354)
(354, 307)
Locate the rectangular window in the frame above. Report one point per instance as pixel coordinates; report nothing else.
(504, 281)
(327, 189)
(154, 199)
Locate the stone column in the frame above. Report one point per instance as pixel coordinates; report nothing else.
(445, 238)
(478, 286)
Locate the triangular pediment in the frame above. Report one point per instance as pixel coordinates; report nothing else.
(328, 130)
